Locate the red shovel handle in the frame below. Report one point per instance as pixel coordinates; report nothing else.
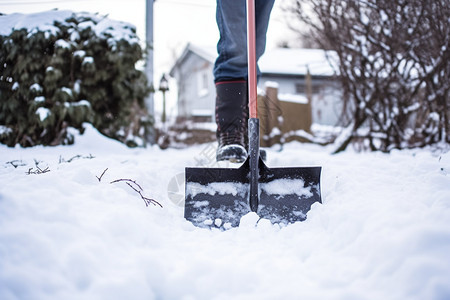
(251, 56)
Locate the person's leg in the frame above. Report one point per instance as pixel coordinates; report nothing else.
(231, 63)
(230, 74)
(263, 9)
(231, 120)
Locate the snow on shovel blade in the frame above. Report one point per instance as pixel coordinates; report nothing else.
(219, 197)
(216, 196)
(286, 194)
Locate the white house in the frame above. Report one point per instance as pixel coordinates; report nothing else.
(286, 67)
(193, 72)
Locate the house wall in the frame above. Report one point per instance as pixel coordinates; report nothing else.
(285, 85)
(327, 105)
(196, 90)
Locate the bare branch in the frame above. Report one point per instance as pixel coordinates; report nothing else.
(128, 181)
(393, 65)
(100, 178)
(38, 169)
(16, 163)
(62, 160)
(138, 189)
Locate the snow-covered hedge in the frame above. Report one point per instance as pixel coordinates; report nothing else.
(60, 69)
(394, 67)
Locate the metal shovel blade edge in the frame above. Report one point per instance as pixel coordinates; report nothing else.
(219, 197)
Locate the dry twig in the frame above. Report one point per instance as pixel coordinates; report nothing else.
(138, 189)
(38, 169)
(62, 160)
(16, 163)
(100, 178)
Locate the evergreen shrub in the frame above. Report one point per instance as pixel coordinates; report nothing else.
(79, 68)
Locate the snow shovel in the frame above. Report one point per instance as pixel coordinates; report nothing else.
(219, 197)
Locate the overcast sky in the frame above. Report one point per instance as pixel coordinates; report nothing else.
(176, 22)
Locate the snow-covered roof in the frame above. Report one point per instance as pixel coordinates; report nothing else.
(279, 61)
(290, 61)
(208, 53)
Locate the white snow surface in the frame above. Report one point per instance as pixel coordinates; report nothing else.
(216, 188)
(44, 21)
(382, 232)
(43, 113)
(294, 98)
(285, 186)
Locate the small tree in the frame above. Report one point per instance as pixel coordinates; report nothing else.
(394, 65)
(80, 70)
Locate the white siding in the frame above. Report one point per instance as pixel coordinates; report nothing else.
(196, 90)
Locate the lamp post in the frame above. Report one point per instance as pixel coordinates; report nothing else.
(149, 60)
(164, 87)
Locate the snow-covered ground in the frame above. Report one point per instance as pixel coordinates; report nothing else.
(383, 231)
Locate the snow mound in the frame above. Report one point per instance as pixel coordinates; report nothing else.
(75, 232)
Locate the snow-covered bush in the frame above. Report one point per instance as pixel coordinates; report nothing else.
(394, 65)
(60, 69)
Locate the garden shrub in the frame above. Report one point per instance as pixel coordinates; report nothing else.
(75, 68)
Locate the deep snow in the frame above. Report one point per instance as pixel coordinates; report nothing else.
(382, 232)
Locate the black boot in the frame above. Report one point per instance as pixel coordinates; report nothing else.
(232, 120)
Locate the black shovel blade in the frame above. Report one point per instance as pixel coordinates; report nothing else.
(219, 197)
(287, 194)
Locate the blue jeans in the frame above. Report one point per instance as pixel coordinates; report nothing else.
(231, 64)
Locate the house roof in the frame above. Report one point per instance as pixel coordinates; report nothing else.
(278, 61)
(287, 61)
(208, 53)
